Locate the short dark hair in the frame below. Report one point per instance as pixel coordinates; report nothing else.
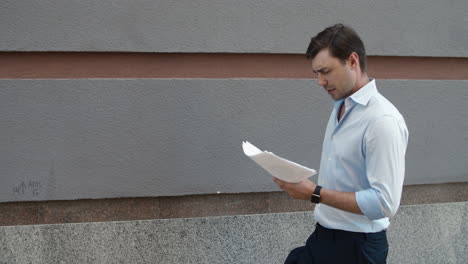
(341, 40)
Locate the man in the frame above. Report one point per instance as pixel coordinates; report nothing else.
(363, 158)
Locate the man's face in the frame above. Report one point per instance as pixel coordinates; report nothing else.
(337, 78)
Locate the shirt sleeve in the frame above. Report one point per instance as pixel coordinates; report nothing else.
(385, 143)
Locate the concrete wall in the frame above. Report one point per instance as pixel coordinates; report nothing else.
(101, 138)
(66, 139)
(104, 138)
(418, 234)
(402, 28)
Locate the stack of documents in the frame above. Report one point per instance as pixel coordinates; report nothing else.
(280, 168)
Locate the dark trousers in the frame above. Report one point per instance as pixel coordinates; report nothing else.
(338, 246)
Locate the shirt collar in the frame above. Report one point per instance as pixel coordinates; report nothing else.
(363, 95)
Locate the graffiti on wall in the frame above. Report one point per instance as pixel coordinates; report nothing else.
(27, 188)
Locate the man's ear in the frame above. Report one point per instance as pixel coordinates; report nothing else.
(353, 60)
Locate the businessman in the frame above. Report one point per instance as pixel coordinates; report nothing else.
(363, 158)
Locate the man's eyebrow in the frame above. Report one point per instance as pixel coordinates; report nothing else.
(320, 70)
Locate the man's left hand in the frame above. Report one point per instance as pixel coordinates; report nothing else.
(302, 190)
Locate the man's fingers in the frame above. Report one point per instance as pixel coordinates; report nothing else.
(301, 190)
(279, 182)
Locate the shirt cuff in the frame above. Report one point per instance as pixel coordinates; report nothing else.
(369, 203)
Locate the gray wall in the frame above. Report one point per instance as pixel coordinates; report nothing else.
(429, 234)
(100, 138)
(402, 28)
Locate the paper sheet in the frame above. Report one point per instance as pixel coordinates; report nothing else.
(280, 168)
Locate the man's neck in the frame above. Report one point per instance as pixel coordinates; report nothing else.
(362, 80)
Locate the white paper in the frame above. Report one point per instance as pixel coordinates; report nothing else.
(280, 168)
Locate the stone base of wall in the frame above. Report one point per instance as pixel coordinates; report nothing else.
(427, 233)
(187, 206)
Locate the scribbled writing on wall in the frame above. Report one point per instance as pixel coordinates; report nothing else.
(27, 188)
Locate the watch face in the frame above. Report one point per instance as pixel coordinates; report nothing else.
(315, 198)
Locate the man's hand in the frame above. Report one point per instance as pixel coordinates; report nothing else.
(302, 190)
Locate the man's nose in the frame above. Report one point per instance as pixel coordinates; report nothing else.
(321, 81)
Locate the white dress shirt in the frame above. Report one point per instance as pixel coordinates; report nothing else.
(364, 153)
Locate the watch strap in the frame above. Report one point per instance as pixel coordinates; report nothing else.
(315, 198)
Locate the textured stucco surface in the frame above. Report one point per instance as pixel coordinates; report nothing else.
(104, 138)
(400, 28)
(433, 233)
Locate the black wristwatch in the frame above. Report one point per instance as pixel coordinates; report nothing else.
(315, 198)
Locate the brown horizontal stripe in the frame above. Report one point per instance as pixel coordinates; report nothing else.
(75, 65)
(98, 210)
